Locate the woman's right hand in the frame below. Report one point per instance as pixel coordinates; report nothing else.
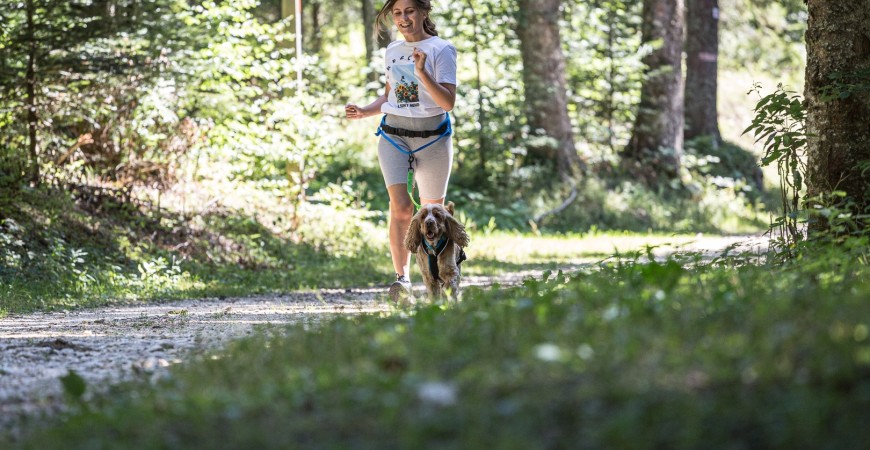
(353, 112)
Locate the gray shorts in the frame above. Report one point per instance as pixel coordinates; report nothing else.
(432, 164)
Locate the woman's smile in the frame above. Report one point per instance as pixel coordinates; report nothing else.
(409, 20)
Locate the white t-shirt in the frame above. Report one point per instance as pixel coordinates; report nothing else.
(408, 97)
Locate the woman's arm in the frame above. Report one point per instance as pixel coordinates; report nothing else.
(356, 112)
(443, 94)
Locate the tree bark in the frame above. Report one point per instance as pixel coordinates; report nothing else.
(314, 40)
(838, 129)
(544, 81)
(368, 17)
(481, 110)
(30, 87)
(288, 8)
(702, 54)
(656, 143)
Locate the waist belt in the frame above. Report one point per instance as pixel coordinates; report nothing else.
(414, 134)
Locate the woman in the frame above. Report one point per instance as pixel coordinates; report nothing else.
(420, 91)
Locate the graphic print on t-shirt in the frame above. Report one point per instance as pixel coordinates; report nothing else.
(407, 88)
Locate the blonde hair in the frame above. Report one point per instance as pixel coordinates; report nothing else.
(423, 5)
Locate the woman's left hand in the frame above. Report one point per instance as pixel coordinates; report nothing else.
(419, 60)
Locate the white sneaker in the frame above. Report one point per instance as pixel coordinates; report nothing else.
(400, 290)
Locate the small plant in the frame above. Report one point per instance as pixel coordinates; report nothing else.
(780, 121)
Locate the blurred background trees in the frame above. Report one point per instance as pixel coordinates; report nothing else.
(152, 98)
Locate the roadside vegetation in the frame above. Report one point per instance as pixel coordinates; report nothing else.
(630, 353)
(63, 253)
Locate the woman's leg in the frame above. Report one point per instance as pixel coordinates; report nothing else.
(401, 212)
(424, 201)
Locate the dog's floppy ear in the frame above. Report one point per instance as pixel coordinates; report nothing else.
(449, 206)
(456, 231)
(413, 238)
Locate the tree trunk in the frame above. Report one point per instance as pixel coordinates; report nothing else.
(544, 81)
(657, 138)
(368, 17)
(315, 41)
(702, 54)
(287, 8)
(481, 110)
(838, 143)
(30, 101)
(610, 106)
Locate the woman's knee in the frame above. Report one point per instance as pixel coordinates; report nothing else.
(401, 209)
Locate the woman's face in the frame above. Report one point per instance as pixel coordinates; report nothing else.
(408, 19)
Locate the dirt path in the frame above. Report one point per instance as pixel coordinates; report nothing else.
(109, 345)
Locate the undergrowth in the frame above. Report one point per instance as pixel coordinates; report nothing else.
(681, 353)
(62, 252)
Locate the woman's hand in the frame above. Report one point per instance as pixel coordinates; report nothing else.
(419, 60)
(353, 112)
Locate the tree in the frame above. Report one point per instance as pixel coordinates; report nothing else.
(657, 137)
(702, 55)
(544, 82)
(838, 66)
(311, 26)
(368, 18)
(30, 83)
(373, 41)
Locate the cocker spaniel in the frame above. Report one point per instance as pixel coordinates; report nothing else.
(437, 239)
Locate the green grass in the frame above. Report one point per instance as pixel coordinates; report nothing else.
(63, 253)
(724, 355)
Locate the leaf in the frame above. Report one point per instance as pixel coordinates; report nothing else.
(73, 384)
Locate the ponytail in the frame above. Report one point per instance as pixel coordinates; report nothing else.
(429, 27)
(382, 18)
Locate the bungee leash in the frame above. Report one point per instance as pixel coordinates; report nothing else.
(384, 129)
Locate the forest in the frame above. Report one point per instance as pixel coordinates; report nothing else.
(159, 151)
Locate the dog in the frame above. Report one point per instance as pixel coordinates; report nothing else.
(437, 239)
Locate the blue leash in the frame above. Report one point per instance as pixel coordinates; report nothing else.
(447, 132)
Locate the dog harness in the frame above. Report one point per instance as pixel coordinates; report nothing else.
(435, 252)
(443, 130)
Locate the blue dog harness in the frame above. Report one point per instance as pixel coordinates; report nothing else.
(434, 252)
(448, 130)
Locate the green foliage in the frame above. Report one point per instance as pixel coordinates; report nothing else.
(604, 73)
(59, 254)
(73, 385)
(489, 98)
(780, 123)
(764, 36)
(147, 95)
(630, 355)
(718, 191)
(724, 164)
